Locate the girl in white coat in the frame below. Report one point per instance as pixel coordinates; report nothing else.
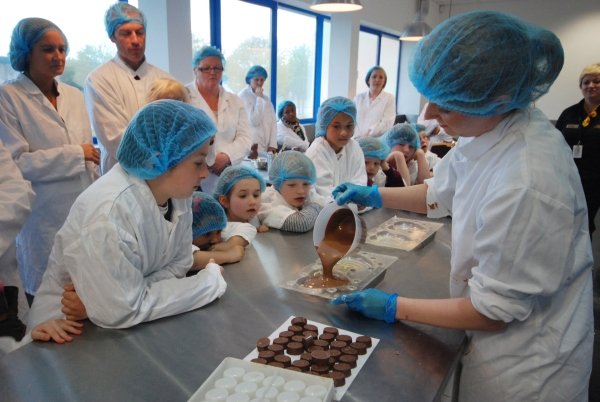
(290, 133)
(337, 156)
(261, 115)
(521, 266)
(233, 139)
(49, 136)
(127, 243)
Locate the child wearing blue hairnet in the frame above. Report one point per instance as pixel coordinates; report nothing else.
(208, 223)
(127, 243)
(379, 171)
(431, 158)
(521, 266)
(406, 155)
(336, 155)
(291, 203)
(291, 135)
(239, 190)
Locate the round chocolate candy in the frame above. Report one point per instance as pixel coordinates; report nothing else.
(310, 327)
(281, 341)
(293, 369)
(262, 344)
(338, 378)
(327, 337)
(320, 357)
(307, 334)
(335, 354)
(286, 334)
(275, 364)
(322, 343)
(299, 321)
(259, 360)
(348, 359)
(268, 355)
(296, 329)
(331, 330)
(315, 368)
(301, 364)
(308, 341)
(297, 338)
(365, 339)
(315, 347)
(295, 348)
(361, 348)
(277, 349)
(339, 345)
(344, 338)
(283, 359)
(306, 356)
(349, 351)
(343, 368)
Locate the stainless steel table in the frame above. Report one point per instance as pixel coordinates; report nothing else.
(168, 359)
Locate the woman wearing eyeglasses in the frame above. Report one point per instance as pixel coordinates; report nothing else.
(232, 140)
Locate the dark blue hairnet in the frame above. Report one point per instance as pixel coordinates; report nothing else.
(119, 14)
(233, 174)
(282, 106)
(256, 71)
(329, 109)
(161, 135)
(208, 214)
(403, 133)
(207, 51)
(291, 165)
(368, 76)
(374, 147)
(24, 36)
(485, 63)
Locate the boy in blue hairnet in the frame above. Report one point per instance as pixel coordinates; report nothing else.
(127, 242)
(291, 134)
(208, 223)
(291, 203)
(336, 155)
(406, 155)
(521, 267)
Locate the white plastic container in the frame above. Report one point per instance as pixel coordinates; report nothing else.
(231, 368)
(324, 217)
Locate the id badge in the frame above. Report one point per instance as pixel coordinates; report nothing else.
(577, 151)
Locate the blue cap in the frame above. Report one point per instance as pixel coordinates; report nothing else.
(207, 51)
(256, 71)
(374, 148)
(208, 214)
(24, 36)
(403, 133)
(291, 165)
(329, 109)
(233, 174)
(119, 14)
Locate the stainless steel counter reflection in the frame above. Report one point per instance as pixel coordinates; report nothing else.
(168, 359)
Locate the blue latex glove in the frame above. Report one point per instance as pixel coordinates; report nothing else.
(373, 303)
(362, 195)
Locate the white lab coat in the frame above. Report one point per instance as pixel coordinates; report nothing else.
(127, 262)
(521, 251)
(288, 139)
(245, 230)
(112, 97)
(274, 209)
(261, 119)
(374, 117)
(16, 198)
(333, 169)
(46, 145)
(233, 133)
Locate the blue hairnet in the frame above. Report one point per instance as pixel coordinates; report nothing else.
(291, 165)
(485, 63)
(256, 71)
(373, 147)
(282, 106)
(208, 214)
(233, 174)
(329, 109)
(419, 127)
(207, 51)
(368, 76)
(161, 135)
(403, 133)
(119, 14)
(24, 36)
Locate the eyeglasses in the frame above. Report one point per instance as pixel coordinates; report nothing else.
(214, 70)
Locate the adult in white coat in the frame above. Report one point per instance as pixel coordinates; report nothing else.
(127, 243)
(117, 89)
(290, 133)
(521, 266)
(233, 140)
(261, 115)
(375, 108)
(49, 137)
(338, 158)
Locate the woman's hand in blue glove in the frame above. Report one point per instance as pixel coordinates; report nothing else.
(373, 303)
(362, 195)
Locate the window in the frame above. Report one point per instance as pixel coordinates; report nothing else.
(368, 45)
(200, 18)
(246, 41)
(296, 60)
(325, 60)
(388, 59)
(89, 46)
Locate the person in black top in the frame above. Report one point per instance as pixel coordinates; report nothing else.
(580, 124)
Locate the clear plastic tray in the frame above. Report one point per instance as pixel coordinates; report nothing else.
(360, 268)
(401, 233)
(240, 380)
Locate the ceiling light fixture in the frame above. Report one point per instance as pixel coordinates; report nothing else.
(336, 6)
(418, 28)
